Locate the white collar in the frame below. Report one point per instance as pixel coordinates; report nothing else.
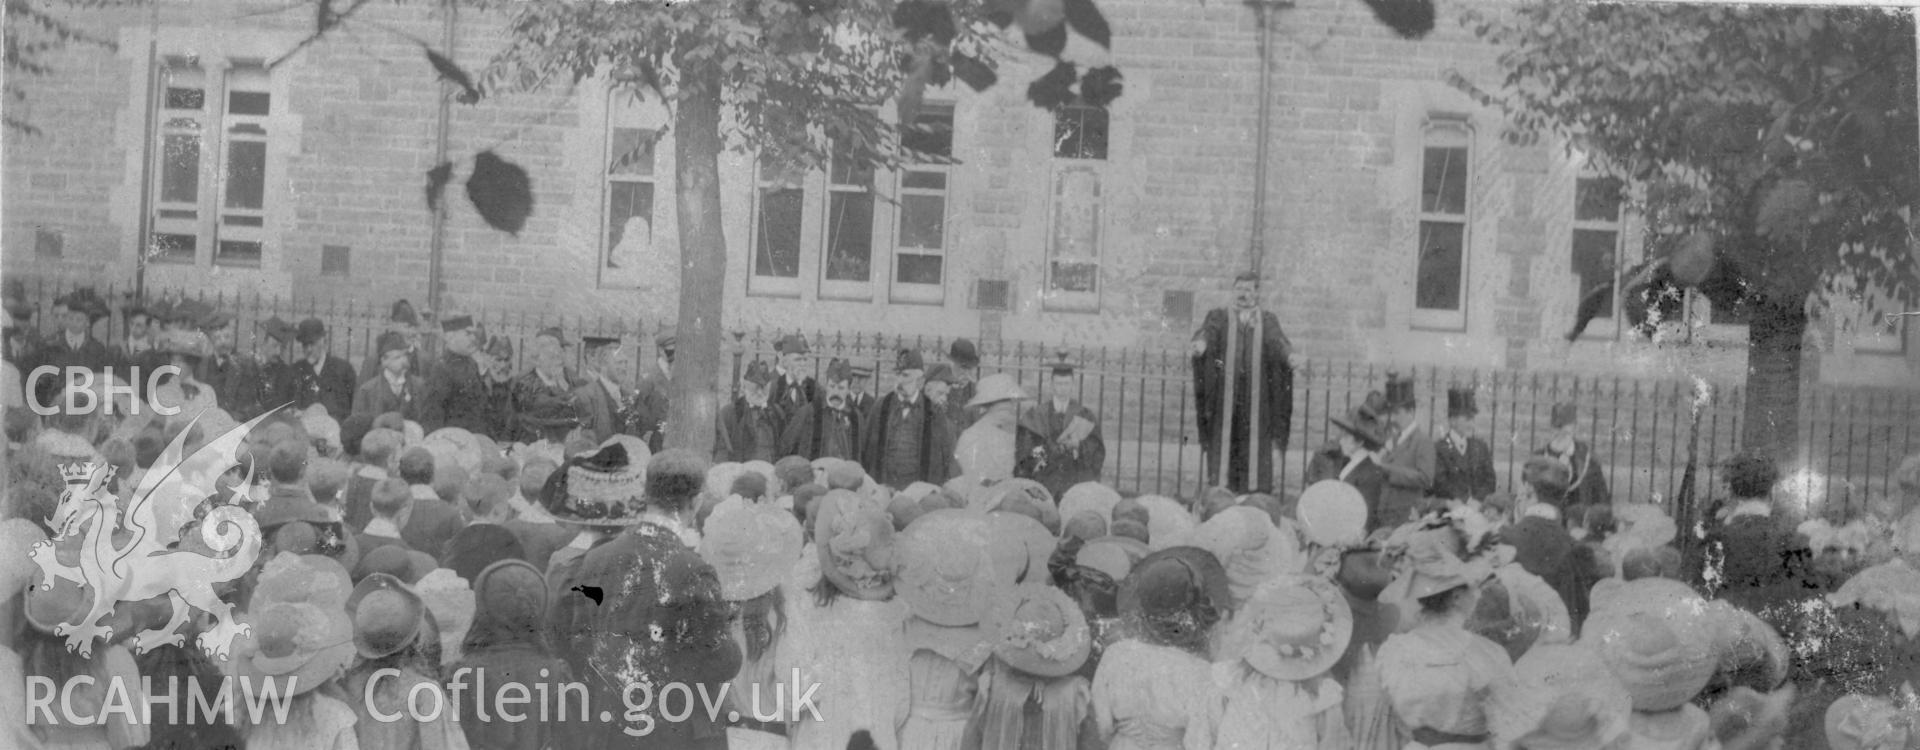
(382, 527)
(1759, 508)
(1407, 433)
(372, 472)
(613, 389)
(423, 492)
(1061, 404)
(75, 341)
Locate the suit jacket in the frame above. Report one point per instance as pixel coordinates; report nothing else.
(1409, 462)
(91, 354)
(900, 460)
(370, 366)
(790, 396)
(816, 430)
(239, 381)
(597, 409)
(661, 607)
(376, 397)
(332, 386)
(1460, 475)
(457, 395)
(540, 408)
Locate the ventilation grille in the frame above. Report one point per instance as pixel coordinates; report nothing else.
(990, 294)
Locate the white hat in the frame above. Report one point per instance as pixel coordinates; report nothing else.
(996, 388)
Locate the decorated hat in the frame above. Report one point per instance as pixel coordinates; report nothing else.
(1293, 627)
(455, 445)
(942, 568)
(297, 645)
(855, 543)
(792, 343)
(1866, 722)
(1089, 497)
(751, 546)
(1169, 524)
(1037, 629)
(454, 323)
(603, 487)
(1658, 638)
(1364, 426)
(277, 329)
(1024, 496)
(1251, 549)
(387, 616)
(1333, 514)
(963, 353)
(758, 373)
(1175, 594)
(1460, 402)
(909, 359)
(1400, 391)
(315, 579)
(995, 388)
(1567, 701)
(1431, 565)
(310, 331)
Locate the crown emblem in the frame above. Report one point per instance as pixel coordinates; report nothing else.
(81, 474)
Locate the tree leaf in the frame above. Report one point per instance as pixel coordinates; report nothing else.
(1086, 19)
(978, 75)
(1100, 86)
(1411, 19)
(501, 191)
(1055, 89)
(1050, 43)
(437, 178)
(922, 19)
(1039, 17)
(453, 74)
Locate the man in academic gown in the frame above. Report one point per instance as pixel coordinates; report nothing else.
(543, 395)
(457, 394)
(750, 426)
(792, 387)
(1062, 435)
(1463, 466)
(904, 441)
(647, 411)
(1407, 457)
(1261, 409)
(1589, 484)
(599, 400)
(318, 377)
(826, 427)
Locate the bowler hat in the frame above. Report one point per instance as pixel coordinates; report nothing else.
(1460, 403)
(792, 343)
(310, 331)
(963, 353)
(277, 329)
(909, 359)
(839, 370)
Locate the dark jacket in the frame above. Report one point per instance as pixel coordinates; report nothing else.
(332, 386)
(647, 411)
(514, 663)
(433, 523)
(750, 433)
(539, 409)
(816, 430)
(458, 396)
(791, 395)
(1059, 467)
(1274, 403)
(896, 460)
(238, 380)
(376, 396)
(598, 410)
(1460, 475)
(661, 607)
(1367, 477)
(91, 354)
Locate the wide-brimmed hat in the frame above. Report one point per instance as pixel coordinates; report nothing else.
(1866, 722)
(995, 388)
(1333, 514)
(1251, 548)
(1567, 701)
(1019, 546)
(1363, 426)
(1037, 629)
(751, 546)
(315, 579)
(1169, 524)
(943, 569)
(1657, 637)
(600, 488)
(455, 444)
(1089, 497)
(1293, 627)
(1024, 496)
(1176, 594)
(387, 616)
(1752, 653)
(298, 646)
(854, 538)
(1114, 556)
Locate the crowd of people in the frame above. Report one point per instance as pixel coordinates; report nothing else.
(939, 568)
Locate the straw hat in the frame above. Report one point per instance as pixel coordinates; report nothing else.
(1751, 651)
(1019, 547)
(297, 645)
(313, 579)
(1114, 556)
(1333, 514)
(1168, 523)
(1569, 702)
(943, 569)
(1175, 594)
(855, 543)
(1294, 627)
(1862, 722)
(1037, 629)
(995, 388)
(1022, 496)
(1089, 497)
(1658, 641)
(1251, 549)
(451, 603)
(751, 547)
(387, 616)
(601, 488)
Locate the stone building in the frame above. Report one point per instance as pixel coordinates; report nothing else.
(1401, 225)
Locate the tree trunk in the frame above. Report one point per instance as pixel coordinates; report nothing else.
(703, 260)
(1775, 337)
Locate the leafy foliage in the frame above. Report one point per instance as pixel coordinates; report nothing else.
(1786, 133)
(500, 191)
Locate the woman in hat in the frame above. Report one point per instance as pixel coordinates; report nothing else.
(646, 597)
(848, 637)
(945, 575)
(109, 664)
(184, 391)
(1040, 639)
(399, 647)
(1572, 703)
(506, 646)
(1353, 458)
(1661, 641)
(1280, 646)
(751, 547)
(300, 640)
(1155, 687)
(988, 450)
(1439, 676)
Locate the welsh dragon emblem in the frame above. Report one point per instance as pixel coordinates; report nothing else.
(128, 555)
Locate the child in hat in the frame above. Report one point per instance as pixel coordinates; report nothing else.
(301, 641)
(393, 631)
(1280, 645)
(848, 636)
(1155, 687)
(506, 646)
(751, 547)
(1040, 640)
(1439, 676)
(945, 576)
